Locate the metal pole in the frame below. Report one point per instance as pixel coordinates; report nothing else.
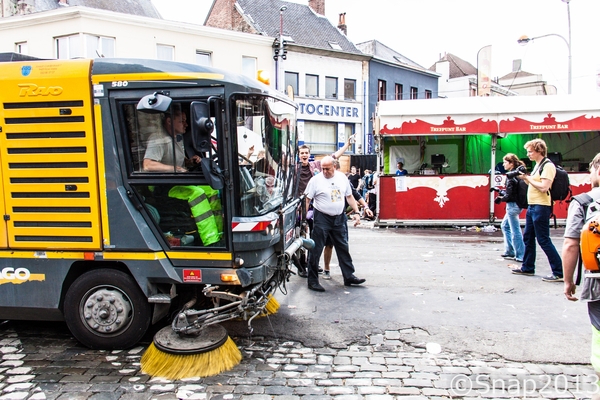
(569, 45)
(280, 77)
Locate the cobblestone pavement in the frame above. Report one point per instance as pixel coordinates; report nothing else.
(42, 361)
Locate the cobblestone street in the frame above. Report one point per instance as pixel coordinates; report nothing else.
(53, 366)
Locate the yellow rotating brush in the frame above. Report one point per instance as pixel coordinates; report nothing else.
(272, 305)
(173, 356)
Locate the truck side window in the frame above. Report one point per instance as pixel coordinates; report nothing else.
(187, 215)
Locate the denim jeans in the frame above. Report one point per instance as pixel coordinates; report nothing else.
(513, 237)
(336, 228)
(537, 226)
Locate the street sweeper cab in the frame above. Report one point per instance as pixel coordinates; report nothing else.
(137, 189)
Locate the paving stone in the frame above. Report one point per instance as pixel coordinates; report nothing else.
(248, 389)
(423, 375)
(373, 367)
(349, 397)
(395, 374)
(301, 382)
(309, 390)
(387, 382)
(279, 390)
(456, 370)
(339, 390)
(368, 374)
(341, 375)
(256, 397)
(106, 379)
(379, 397)
(314, 375)
(429, 392)
(346, 368)
(106, 396)
(371, 390)
(417, 382)
(330, 382)
(74, 396)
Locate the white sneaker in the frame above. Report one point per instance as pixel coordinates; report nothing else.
(326, 275)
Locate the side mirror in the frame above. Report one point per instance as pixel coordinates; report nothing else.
(154, 103)
(202, 127)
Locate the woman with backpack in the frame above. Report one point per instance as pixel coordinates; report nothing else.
(514, 247)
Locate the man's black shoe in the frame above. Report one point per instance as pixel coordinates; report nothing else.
(316, 287)
(354, 281)
(303, 273)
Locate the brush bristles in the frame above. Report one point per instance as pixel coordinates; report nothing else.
(157, 363)
(272, 305)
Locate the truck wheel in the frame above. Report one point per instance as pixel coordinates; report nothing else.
(105, 309)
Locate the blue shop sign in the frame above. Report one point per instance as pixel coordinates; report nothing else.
(342, 112)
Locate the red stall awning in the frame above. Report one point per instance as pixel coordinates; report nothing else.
(489, 115)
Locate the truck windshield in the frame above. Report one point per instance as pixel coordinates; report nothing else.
(266, 146)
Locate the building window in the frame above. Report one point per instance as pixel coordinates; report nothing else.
(349, 131)
(203, 58)
(165, 52)
(398, 91)
(69, 47)
(331, 88)
(99, 46)
(22, 48)
(414, 93)
(320, 136)
(312, 85)
(291, 79)
(249, 67)
(349, 89)
(428, 94)
(382, 89)
(84, 46)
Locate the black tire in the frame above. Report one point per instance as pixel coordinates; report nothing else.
(118, 313)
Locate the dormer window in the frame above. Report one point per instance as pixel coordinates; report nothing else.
(335, 45)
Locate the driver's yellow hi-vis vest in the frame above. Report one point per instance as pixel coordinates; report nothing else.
(201, 211)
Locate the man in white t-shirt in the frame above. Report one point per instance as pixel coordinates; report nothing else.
(327, 191)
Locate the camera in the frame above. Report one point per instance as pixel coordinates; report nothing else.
(516, 172)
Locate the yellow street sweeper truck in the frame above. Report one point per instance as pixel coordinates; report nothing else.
(139, 190)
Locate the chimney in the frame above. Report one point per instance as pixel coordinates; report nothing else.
(516, 65)
(318, 6)
(342, 24)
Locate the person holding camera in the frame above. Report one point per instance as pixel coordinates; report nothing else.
(537, 222)
(514, 248)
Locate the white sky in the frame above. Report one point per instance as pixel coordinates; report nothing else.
(422, 30)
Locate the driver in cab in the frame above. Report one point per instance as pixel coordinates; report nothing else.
(161, 155)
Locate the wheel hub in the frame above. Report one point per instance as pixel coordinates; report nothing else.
(209, 338)
(106, 311)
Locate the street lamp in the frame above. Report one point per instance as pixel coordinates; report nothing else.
(280, 50)
(523, 40)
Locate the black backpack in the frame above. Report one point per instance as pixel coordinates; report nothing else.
(522, 194)
(560, 189)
